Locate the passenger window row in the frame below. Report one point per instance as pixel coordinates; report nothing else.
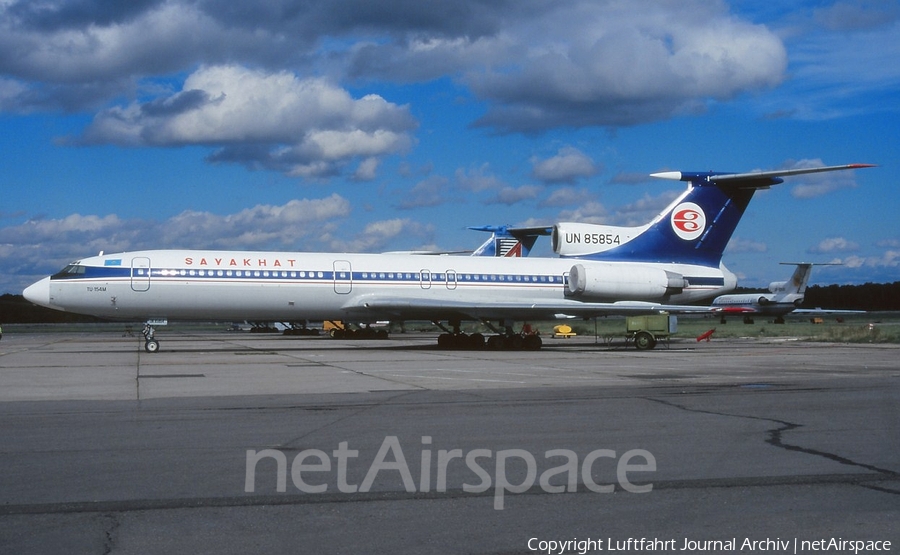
(436, 277)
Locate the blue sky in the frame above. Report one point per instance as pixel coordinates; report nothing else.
(351, 125)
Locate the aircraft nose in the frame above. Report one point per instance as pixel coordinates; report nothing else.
(38, 293)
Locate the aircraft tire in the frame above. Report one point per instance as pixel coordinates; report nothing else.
(476, 342)
(532, 343)
(513, 342)
(644, 340)
(445, 341)
(495, 342)
(151, 346)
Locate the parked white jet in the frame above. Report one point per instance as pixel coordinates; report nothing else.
(601, 270)
(784, 297)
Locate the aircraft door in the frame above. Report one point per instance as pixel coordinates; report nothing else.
(140, 273)
(343, 277)
(425, 279)
(451, 279)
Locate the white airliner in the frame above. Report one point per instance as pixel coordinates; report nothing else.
(784, 297)
(600, 270)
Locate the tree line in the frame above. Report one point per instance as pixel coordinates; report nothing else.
(872, 297)
(14, 309)
(869, 296)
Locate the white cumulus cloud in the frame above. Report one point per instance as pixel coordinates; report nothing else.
(567, 166)
(301, 126)
(834, 244)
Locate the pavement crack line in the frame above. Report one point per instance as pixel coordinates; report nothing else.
(359, 410)
(775, 438)
(109, 538)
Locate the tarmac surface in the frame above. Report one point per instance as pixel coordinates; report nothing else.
(243, 443)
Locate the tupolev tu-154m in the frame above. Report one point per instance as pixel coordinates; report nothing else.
(600, 270)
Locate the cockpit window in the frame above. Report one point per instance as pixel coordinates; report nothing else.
(70, 271)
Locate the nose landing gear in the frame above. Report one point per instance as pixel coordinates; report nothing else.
(151, 345)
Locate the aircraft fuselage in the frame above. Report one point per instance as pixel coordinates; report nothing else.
(290, 286)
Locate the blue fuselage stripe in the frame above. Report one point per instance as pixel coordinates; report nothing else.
(95, 273)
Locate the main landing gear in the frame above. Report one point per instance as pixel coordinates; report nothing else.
(506, 340)
(151, 345)
(340, 330)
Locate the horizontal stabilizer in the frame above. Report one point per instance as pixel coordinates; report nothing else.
(754, 180)
(515, 231)
(506, 241)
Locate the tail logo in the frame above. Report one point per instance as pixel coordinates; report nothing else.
(688, 221)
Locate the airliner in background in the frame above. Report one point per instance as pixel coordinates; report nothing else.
(600, 270)
(509, 241)
(784, 297)
(505, 241)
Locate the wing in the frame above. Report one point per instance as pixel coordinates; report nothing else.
(825, 311)
(370, 307)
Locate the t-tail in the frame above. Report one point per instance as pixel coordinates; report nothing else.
(507, 241)
(694, 229)
(796, 285)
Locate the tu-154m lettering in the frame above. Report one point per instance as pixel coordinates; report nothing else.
(599, 270)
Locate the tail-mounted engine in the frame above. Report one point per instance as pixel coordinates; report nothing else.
(601, 281)
(778, 287)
